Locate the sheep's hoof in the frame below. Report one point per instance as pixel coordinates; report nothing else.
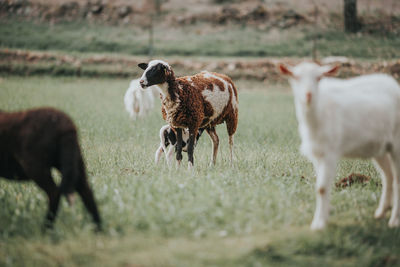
(317, 225)
(190, 166)
(394, 222)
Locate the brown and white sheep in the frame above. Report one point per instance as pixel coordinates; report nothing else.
(34, 141)
(200, 101)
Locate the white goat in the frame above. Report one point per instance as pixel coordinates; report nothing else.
(138, 102)
(358, 117)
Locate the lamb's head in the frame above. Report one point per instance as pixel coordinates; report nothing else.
(156, 72)
(304, 79)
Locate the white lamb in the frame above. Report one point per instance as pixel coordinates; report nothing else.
(358, 117)
(138, 102)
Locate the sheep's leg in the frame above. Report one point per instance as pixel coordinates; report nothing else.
(384, 166)
(169, 155)
(394, 220)
(158, 154)
(192, 137)
(179, 145)
(231, 149)
(214, 138)
(231, 125)
(325, 170)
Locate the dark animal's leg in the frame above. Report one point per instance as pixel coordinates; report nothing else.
(45, 181)
(74, 175)
(214, 137)
(86, 194)
(179, 145)
(192, 137)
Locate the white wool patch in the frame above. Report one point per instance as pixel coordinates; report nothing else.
(217, 98)
(155, 62)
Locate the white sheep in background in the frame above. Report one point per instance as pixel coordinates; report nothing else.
(138, 102)
(168, 137)
(358, 117)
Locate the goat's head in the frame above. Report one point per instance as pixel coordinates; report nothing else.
(304, 79)
(155, 72)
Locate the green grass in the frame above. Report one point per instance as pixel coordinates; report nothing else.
(194, 40)
(254, 214)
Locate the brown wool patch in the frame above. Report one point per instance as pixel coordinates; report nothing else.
(192, 110)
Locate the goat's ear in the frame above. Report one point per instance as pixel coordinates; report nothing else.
(143, 66)
(330, 70)
(285, 70)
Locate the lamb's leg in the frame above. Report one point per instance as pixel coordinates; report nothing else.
(192, 137)
(169, 155)
(214, 138)
(158, 154)
(394, 220)
(384, 166)
(325, 170)
(179, 145)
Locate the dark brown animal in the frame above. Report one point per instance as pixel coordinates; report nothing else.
(34, 141)
(200, 101)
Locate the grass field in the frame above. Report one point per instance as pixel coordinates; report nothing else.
(254, 214)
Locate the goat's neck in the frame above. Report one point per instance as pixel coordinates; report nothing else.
(308, 113)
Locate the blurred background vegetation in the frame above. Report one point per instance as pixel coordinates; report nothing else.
(193, 29)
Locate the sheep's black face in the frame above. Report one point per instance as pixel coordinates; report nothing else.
(154, 73)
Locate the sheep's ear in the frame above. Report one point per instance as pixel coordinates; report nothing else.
(330, 70)
(285, 70)
(143, 66)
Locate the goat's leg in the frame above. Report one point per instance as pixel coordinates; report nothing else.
(384, 166)
(179, 145)
(394, 220)
(192, 137)
(215, 140)
(325, 170)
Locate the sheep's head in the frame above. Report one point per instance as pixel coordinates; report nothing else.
(155, 72)
(304, 79)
